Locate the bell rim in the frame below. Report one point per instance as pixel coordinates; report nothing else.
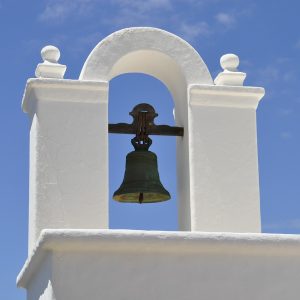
(133, 197)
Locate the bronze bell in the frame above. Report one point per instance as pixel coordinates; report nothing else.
(141, 183)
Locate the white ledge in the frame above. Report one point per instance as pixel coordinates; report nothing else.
(108, 240)
(226, 96)
(41, 87)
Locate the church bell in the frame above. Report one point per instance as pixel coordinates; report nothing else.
(141, 183)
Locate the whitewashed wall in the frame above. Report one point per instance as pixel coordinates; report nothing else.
(110, 265)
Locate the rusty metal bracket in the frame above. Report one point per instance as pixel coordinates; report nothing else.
(143, 125)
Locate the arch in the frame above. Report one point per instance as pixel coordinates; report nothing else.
(168, 58)
(151, 51)
(104, 63)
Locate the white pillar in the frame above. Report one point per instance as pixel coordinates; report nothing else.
(223, 153)
(68, 153)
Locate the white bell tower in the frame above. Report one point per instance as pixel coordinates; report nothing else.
(218, 253)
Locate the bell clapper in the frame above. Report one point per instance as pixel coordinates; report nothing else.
(141, 198)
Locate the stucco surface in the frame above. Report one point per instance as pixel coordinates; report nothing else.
(124, 264)
(67, 155)
(139, 47)
(224, 160)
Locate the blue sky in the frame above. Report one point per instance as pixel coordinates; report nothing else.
(265, 35)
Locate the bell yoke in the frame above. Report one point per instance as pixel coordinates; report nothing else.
(141, 183)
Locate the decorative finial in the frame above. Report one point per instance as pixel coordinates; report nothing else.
(229, 62)
(230, 75)
(50, 68)
(50, 54)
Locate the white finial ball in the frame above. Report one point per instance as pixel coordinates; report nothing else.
(50, 53)
(229, 62)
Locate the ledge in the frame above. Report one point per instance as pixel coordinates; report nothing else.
(41, 86)
(106, 240)
(226, 96)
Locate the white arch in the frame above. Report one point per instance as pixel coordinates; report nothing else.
(129, 50)
(151, 51)
(154, 52)
(168, 58)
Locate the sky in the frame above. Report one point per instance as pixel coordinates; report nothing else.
(263, 33)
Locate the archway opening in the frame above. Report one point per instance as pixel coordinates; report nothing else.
(125, 92)
(171, 60)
